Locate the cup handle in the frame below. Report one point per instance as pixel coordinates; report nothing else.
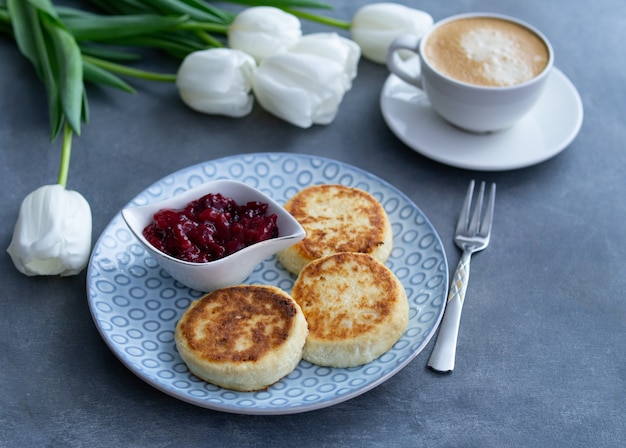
(408, 42)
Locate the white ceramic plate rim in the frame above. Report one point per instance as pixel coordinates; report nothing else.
(547, 130)
(102, 269)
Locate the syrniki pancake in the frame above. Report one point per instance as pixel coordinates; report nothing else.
(337, 218)
(244, 337)
(356, 309)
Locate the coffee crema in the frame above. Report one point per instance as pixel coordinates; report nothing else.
(486, 51)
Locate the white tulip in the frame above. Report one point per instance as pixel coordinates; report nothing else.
(303, 89)
(376, 25)
(217, 81)
(262, 31)
(52, 235)
(335, 48)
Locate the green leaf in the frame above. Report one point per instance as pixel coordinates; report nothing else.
(43, 5)
(178, 7)
(108, 54)
(45, 71)
(122, 6)
(67, 70)
(97, 75)
(24, 20)
(67, 11)
(102, 28)
(200, 5)
(178, 47)
(85, 109)
(5, 18)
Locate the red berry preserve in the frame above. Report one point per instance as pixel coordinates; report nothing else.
(210, 228)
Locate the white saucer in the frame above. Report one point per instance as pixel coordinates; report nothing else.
(546, 131)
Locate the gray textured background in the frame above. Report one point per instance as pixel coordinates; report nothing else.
(541, 352)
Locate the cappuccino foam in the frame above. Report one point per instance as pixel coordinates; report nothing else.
(486, 51)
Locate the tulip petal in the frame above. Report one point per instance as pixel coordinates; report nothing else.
(263, 31)
(303, 89)
(217, 81)
(376, 25)
(289, 103)
(52, 235)
(335, 48)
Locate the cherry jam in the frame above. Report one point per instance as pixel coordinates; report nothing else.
(210, 228)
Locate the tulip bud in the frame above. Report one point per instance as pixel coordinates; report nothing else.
(302, 89)
(262, 31)
(53, 233)
(335, 48)
(217, 81)
(376, 25)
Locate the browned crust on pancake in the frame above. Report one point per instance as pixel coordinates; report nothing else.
(322, 299)
(355, 307)
(238, 324)
(333, 230)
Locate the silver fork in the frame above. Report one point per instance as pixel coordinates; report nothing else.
(471, 235)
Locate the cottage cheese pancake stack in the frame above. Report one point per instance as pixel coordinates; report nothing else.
(336, 219)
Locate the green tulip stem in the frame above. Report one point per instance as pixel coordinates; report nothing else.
(66, 153)
(128, 71)
(204, 26)
(208, 39)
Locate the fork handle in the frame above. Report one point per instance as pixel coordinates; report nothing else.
(443, 354)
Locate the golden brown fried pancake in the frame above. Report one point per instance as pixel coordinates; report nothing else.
(243, 337)
(337, 219)
(355, 306)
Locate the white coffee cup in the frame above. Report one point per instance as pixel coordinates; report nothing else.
(468, 105)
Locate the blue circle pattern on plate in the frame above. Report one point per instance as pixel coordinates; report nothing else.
(136, 305)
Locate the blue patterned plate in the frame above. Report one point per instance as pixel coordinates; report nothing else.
(136, 305)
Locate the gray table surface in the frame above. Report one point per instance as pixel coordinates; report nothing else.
(542, 352)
